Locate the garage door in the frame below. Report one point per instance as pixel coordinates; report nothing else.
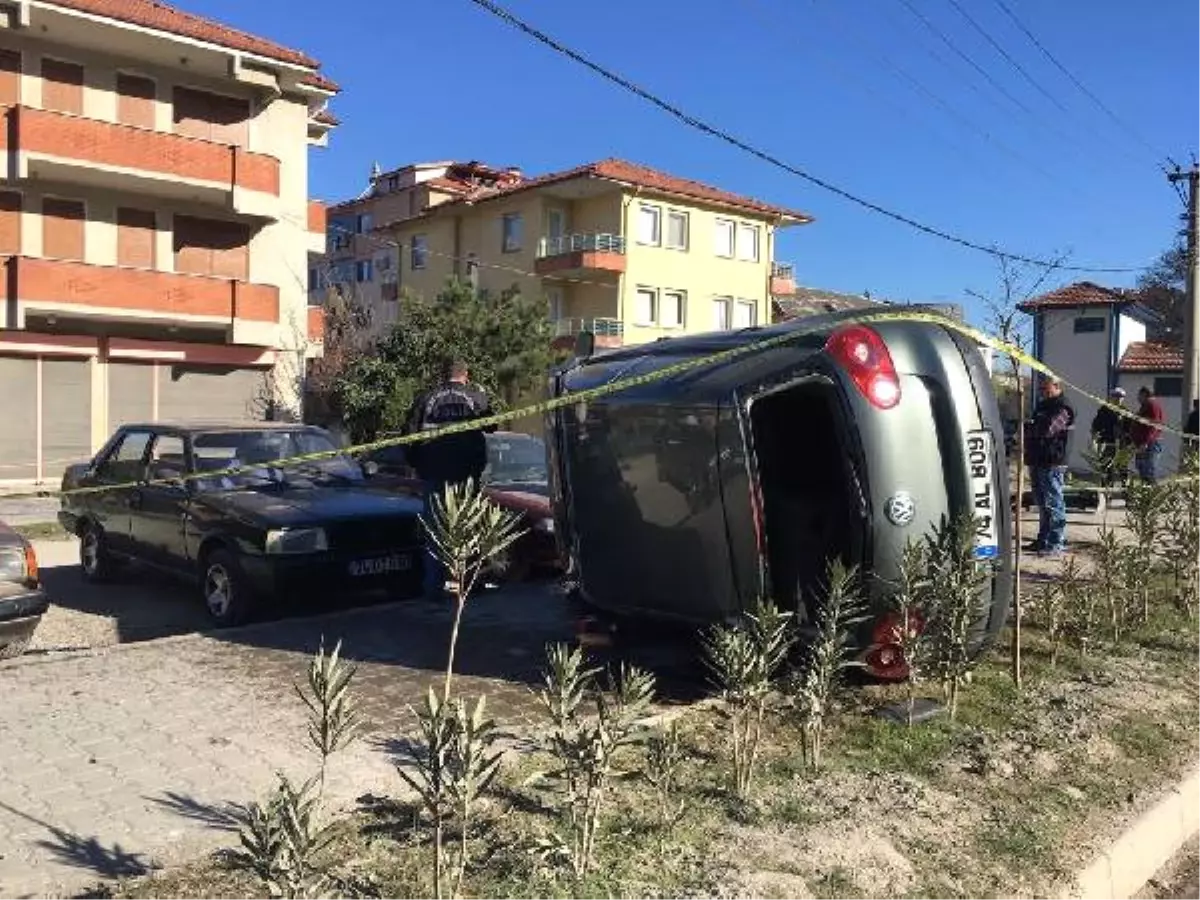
(208, 394)
(130, 394)
(66, 414)
(18, 409)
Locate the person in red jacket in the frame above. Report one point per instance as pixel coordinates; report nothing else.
(1147, 438)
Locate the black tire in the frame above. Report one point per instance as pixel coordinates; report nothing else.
(15, 648)
(224, 589)
(96, 563)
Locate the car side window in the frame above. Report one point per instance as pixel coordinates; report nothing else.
(167, 457)
(127, 458)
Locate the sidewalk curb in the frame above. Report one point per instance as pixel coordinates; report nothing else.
(1144, 847)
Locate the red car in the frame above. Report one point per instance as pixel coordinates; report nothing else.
(515, 479)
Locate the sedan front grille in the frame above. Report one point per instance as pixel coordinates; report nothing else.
(370, 535)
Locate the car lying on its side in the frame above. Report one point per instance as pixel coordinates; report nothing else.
(688, 497)
(22, 598)
(217, 505)
(515, 480)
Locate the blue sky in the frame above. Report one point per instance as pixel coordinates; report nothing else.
(859, 92)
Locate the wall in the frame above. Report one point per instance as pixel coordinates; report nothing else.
(1082, 359)
(1128, 331)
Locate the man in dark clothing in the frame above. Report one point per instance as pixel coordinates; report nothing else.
(1147, 438)
(452, 458)
(1046, 452)
(1192, 426)
(1109, 431)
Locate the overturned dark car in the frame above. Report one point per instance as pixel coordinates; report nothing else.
(685, 498)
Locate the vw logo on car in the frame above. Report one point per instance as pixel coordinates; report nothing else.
(900, 508)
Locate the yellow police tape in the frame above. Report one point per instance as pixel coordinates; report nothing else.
(622, 384)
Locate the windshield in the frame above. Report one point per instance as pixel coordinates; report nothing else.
(256, 454)
(515, 459)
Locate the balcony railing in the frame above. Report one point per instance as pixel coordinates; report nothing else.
(600, 242)
(782, 270)
(601, 328)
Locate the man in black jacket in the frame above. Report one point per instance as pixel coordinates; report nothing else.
(1046, 454)
(1110, 430)
(452, 458)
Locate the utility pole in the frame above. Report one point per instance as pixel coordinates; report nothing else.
(1191, 316)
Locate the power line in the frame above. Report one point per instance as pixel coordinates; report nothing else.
(702, 126)
(1074, 80)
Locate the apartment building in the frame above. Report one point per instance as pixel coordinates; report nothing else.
(617, 248)
(154, 223)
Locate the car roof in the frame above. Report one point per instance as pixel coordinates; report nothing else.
(219, 425)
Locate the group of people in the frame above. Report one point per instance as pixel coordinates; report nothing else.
(1047, 447)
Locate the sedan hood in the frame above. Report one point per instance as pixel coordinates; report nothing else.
(291, 507)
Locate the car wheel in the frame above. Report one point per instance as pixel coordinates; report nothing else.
(224, 589)
(15, 648)
(95, 561)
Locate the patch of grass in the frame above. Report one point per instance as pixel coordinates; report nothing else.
(872, 744)
(1144, 740)
(1018, 841)
(837, 882)
(42, 531)
(797, 812)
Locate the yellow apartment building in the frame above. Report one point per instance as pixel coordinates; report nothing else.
(628, 252)
(155, 224)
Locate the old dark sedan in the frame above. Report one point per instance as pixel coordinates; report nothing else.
(22, 599)
(252, 531)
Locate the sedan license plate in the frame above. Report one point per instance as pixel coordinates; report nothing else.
(380, 565)
(983, 493)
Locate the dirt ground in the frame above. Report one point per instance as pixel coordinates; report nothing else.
(1179, 879)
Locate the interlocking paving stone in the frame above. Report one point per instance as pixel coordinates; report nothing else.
(115, 761)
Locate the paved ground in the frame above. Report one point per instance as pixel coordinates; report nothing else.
(121, 759)
(28, 510)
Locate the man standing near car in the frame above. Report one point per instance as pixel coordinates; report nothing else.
(1109, 432)
(1046, 455)
(1147, 436)
(449, 459)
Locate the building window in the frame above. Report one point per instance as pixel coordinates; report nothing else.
(363, 223)
(672, 312)
(136, 232)
(745, 314)
(1168, 386)
(554, 299)
(645, 307)
(314, 280)
(723, 238)
(1089, 324)
(62, 86)
(135, 100)
(211, 117)
(10, 77)
(510, 225)
(420, 251)
(364, 271)
(649, 225)
(341, 272)
(211, 247)
(721, 312)
(677, 230)
(747, 242)
(62, 228)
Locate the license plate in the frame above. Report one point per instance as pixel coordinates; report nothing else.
(380, 565)
(983, 493)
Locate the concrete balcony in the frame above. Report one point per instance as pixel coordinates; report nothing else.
(61, 289)
(609, 332)
(574, 255)
(70, 149)
(783, 279)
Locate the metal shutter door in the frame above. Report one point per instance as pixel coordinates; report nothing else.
(66, 414)
(18, 437)
(197, 394)
(130, 394)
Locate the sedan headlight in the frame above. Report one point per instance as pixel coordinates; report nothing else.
(296, 540)
(17, 564)
(546, 526)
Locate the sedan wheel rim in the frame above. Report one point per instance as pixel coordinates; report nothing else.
(89, 552)
(217, 590)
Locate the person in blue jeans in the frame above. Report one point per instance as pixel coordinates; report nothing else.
(1046, 449)
(1147, 435)
(449, 459)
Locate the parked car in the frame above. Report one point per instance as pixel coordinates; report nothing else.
(515, 479)
(263, 533)
(686, 498)
(22, 599)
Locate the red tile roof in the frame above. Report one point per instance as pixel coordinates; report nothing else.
(325, 117)
(163, 17)
(1081, 293)
(651, 179)
(1145, 356)
(321, 83)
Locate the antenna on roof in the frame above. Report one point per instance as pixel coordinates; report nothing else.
(376, 170)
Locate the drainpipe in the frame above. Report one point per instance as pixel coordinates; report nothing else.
(626, 203)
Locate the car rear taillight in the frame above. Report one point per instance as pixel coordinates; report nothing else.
(885, 658)
(31, 565)
(865, 357)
